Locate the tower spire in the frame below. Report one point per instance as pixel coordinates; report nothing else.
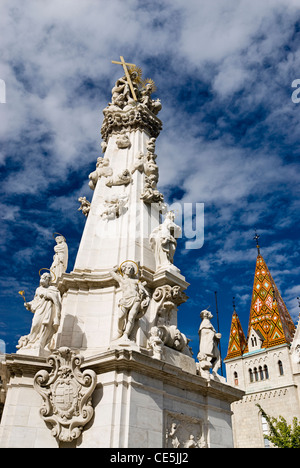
(237, 340)
(268, 312)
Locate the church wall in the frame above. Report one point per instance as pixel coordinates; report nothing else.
(277, 395)
(264, 357)
(247, 421)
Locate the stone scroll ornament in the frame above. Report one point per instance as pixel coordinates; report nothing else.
(163, 332)
(66, 394)
(167, 298)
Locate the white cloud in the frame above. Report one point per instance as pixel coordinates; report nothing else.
(65, 42)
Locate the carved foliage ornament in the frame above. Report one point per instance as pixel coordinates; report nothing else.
(136, 118)
(66, 394)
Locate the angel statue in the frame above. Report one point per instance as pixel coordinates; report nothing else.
(46, 306)
(149, 88)
(135, 298)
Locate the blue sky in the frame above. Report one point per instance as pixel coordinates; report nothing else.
(230, 138)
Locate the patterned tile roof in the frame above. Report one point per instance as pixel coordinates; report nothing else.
(237, 339)
(268, 312)
(268, 315)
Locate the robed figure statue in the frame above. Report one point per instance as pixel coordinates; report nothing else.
(46, 307)
(163, 241)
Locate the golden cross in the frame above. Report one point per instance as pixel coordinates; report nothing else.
(127, 74)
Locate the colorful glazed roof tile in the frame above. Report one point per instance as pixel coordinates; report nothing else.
(268, 313)
(237, 339)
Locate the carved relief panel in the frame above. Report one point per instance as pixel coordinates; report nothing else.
(183, 431)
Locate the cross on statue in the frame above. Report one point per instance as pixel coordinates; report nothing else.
(125, 65)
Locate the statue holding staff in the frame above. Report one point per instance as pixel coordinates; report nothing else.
(46, 307)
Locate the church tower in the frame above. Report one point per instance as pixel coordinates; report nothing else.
(104, 364)
(263, 364)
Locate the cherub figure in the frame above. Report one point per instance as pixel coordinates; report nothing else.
(155, 342)
(153, 106)
(114, 207)
(134, 301)
(85, 205)
(103, 169)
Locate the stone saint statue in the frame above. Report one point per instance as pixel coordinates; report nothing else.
(163, 241)
(134, 301)
(209, 354)
(46, 306)
(60, 258)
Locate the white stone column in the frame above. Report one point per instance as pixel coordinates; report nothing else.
(108, 242)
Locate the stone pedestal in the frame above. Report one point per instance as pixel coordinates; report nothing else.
(136, 401)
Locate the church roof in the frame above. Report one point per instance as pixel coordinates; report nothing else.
(268, 312)
(237, 339)
(268, 315)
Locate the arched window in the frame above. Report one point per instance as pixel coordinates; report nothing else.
(261, 374)
(265, 429)
(280, 367)
(236, 378)
(253, 341)
(250, 375)
(255, 374)
(266, 372)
